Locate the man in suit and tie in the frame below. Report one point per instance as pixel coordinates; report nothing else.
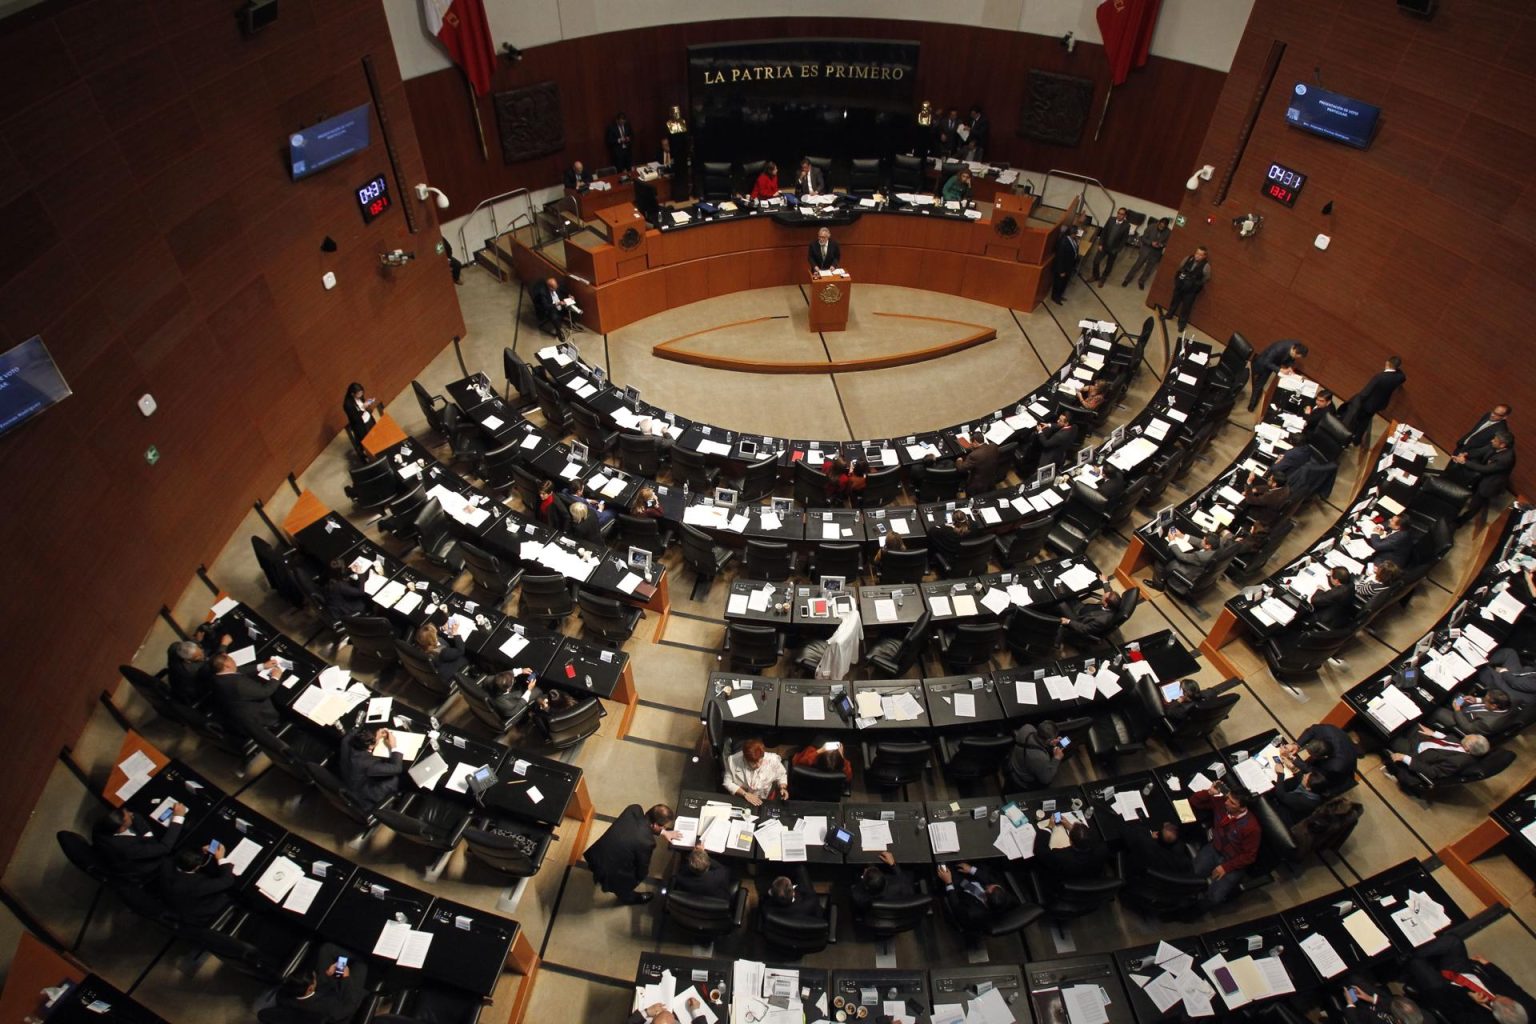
(824, 254)
(1334, 605)
(246, 700)
(188, 672)
(794, 897)
(1056, 442)
(1358, 412)
(1279, 355)
(1505, 672)
(1495, 421)
(1434, 755)
(973, 895)
(1064, 265)
(550, 306)
(131, 848)
(1394, 543)
(578, 177)
(702, 875)
(621, 140)
(195, 885)
(620, 859)
(883, 881)
(809, 182)
(983, 464)
(1486, 470)
(1190, 563)
(1112, 239)
(1465, 988)
(1483, 714)
(1091, 620)
(370, 779)
(1326, 748)
(325, 994)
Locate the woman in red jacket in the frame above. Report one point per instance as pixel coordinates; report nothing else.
(767, 184)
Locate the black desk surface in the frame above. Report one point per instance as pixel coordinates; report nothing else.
(710, 976)
(1046, 978)
(976, 834)
(313, 860)
(537, 653)
(583, 667)
(791, 705)
(791, 811)
(175, 782)
(891, 688)
(556, 782)
(469, 947)
(909, 987)
(1142, 960)
(1159, 807)
(724, 687)
(1386, 892)
(909, 837)
(915, 533)
(777, 612)
(906, 605)
(358, 916)
(230, 823)
(1265, 936)
(1039, 805)
(1518, 811)
(940, 693)
(94, 1001)
(951, 985)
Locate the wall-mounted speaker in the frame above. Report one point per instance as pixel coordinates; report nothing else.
(256, 15)
(1423, 8)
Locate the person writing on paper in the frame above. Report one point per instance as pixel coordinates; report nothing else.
(1465, 987)
(883, 881)
(188, 672)
(1277, 357)
(1035, 757)
(362, 412)
(620, 859)
(973, 896)
(324, 994)
(1234, 840)
(826, 757)
(245, 700)
(1069, 851)
(958, 188)
(444, 647)
(554, 308)
(756, 774)
(824, 253)
(702, 875)
(767, 184)
(809, 182)
(795, 897)
(1325, 748)
(1430, 754)
(1162, 850)
(131, 848)
(577, 177)
(194, 886)
(646, 504)
(366, 777)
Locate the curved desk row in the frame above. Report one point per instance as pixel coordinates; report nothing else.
(638, 271)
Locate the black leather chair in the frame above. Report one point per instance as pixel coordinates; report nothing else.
(892, 657)
(881, 487)
(490, 574)
(520, 379)
(640, 454)
(751, 647)
(473, 688)
(1062, 899)
(809, 484)
(1438, 498)
(438, 1004)
(908, 566)
(1167, 894)
(279, 568)
(607, 618)
(691, 468)
(715, 180)
(510, 846)
(974, 758)
(845, 560)
(1023, 544)
(769, 560)
(432, 407)
(703, 556)
(1190, 586)
(907, 174)
(558, 420)
(432, 820)
(374, 485)
(1202, 721)
(864, 176)
(269, 966)
(887, 918)
(809, 783)
(642, 532)
(1301, 653)
(892, 765)
(435, 538)
(466, 439)
(1232, 365)
(400, 522)
(705, 916)
(1246, 567)
(758, 480)
(938, 483)
(546, 598)
(968, 645)
(340, 798)
(1485, 767)
(570, 726)
(973, 558)
(498, 464)
(601, 441)
(371, 636)
(794, 935)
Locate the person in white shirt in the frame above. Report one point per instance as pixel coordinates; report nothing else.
(756, 774)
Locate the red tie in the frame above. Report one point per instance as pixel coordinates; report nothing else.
(1468, 982)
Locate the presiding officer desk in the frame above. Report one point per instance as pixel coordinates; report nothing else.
(1002, 258)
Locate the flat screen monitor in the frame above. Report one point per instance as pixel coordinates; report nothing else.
(1332, 115)
(313, 149)
(29, 383)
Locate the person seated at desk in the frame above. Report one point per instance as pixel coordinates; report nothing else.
(1299, 794)
(795, 896)
(1321, 406)
(1325, 748)
(1070, 851)
(1394, 543)
(344, 595)
(550, 510)
(246, 700)
(445, 647)
(577, 177)
(891, 541)
(767, 184)
(883, 881)
(130, 847)
(1034, 759)
(646, 504)
(1486, 470)
(658, 1014)
(664, 163)
(1191, 563)
(1464, 987)
(552, 703)
(577, 491)
(1178, 709)
(702, 875)
(1505, 672)
(1484, 714)
(1162, 850)
(620, 858)
(584, 524)
(837, 471)
(1055, 442)
(824, 254)
(982, 462)
(1333, 606)
(1091, 620)
(511, 691)
(826, 757)
(188, 672)
(1367, 1001)
(194, 885)
(1378, 578)
(958, 188)
(1091, 395)
(945, 538)
(362, 412)
(323, 994)
(1265, 498)
(1234, 841)
(755, 774)
(1434, 755)
(810, 182)
(973, 895)
(367, 777)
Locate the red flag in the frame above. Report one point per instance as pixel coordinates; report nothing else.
(460, 26)
(1126, 27)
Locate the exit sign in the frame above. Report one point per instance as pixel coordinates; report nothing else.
(152, 455)
(1178, 221)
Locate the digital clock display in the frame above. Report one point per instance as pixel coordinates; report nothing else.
(1283, 184)
(373, 199)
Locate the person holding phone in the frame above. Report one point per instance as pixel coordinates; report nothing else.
(1036, 756)
(1233, 844)
(195, 884)
(328, 993)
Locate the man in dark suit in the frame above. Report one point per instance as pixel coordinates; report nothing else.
(511, 693)
(370, 779)
(1064, 265)
(1277, 356)
(824, 253)
(188, 672)
(983, 464)
(1334, 605)
(973, 895)
(1393, 544)
(1265, 499)
(1163, 850)
(792, 896)
(1486, 714)
(1337, 758)
(978, 133)
(1434, 755)
(1035, 757)
(1190, 563)
(1111, 240)
(550, 306)
(1495, 421)
(578, 177)
(702, 875)
(1083, 856)
(1358, 412)
(246, 700)
(1486, 470)
(809, 182)
(323, 995)
(621, 140)
(1056, 442)
(131, 848)
(195, 885)
(1154, 239)
(1466, 989)
(620, 859)
(1188, 282)
(1091, 620)
(1299, 795)
(1505, 672)
(883, 881)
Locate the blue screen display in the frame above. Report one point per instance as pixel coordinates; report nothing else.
(319, 146)
(29, 383)
(1332, 115)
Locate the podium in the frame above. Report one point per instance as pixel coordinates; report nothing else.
(829, 302)
(625, 229)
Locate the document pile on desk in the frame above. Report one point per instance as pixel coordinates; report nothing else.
(1392, 708)
(330, 696)
(1015, 835)
(760, 995)
(1079, 578)
(1170, 977)
(1248, 979)
(1128, 803)
(722, 826)
(1367, 936)
(285, 883)
(406, 946)
(558, 558)
(1257, 771)
(1421, 919)
(459, 507)
(779, 842)
(874, 834)
(988, 1007)
(139, 768)
(900, 707)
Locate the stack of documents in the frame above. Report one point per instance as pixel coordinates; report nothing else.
(1170, 978)
(1248, 979)
(138, 767)
(874, 834)
(399, 942)
(1392, 708)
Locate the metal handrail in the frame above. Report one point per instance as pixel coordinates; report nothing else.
(1082, 192)
(490, 203)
